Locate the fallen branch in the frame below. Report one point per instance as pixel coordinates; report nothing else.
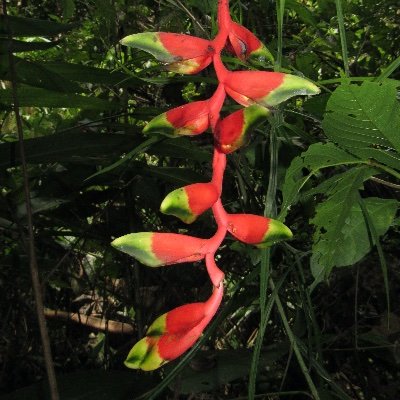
(97, 323)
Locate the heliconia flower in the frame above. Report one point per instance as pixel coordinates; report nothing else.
(232, 132)
(188, 202)
(170, 335)
(187, 120)
(157, 249)
(266, 88)
(184, 54)
(245, 45)
(257, 230)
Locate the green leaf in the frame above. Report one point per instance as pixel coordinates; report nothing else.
(18, 46)
(356, 242)
(303, 12)
(316, 157)
(332, 218)
(19, 26)
(74, 147)
(177, 176)
(182, 148)
(365, 120)
(68, 8)
(35, 74)
(36, 97)
(83, 73)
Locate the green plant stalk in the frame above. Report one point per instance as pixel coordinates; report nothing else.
(280, 11)
(263, 325)
(389, 70)
(270, 210)
(34, 269)
(343, 41)
(293, 342)
(385, 168)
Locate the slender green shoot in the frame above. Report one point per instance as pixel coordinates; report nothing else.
(389, 69)
(342, 31)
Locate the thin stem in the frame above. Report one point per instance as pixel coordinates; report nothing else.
(295, 346)
(36, 286)
(216, 102)
(385, 168)
(280, 11)
(343, 41)
(219, 164)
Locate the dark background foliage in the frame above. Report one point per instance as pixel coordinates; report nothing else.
(93, 177)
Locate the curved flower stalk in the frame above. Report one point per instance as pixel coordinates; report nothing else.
(174, 332)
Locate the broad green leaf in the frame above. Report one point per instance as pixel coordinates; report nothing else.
(332, 217)
(36, 97)
(177, 176)
(182, 148)
(365, 120)
(83, 73)
(35, 74)
(73, 147)
(303, 12)
(68, 8)
(20, 26)
(18, 46)
(356, 242)
(316, 157)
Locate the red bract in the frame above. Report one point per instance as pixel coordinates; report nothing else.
(266, 88)
(187, 120)
(257, 230)
(244, 44)
(188, 202)
(156, 249)
(232, 132)
(192, 54)
(183, 53)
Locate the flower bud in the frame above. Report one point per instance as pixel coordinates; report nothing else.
(232, 132)
(245, 44)
(188, 202)
(257, 230)
(266, 88)
(187, 120)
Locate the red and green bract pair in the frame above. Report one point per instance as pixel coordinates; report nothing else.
(173, 333)
(157, 249)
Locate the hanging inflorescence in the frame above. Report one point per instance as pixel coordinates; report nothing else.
(173, 333)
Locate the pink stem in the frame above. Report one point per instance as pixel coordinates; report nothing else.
(215, 274)
(213, 303)
(219, 164)
(224, 17)
(216, 102)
